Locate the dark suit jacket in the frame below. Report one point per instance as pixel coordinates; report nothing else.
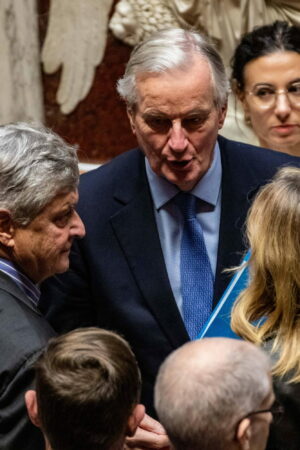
(24, 332)
(284, 430)
(118, 279)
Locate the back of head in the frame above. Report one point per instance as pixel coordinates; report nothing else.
(87, 384)
(168, 50)
(35, 166)
(206, 387)
(264, 40)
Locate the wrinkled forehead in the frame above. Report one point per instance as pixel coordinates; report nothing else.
(177, 85)
(195, 65)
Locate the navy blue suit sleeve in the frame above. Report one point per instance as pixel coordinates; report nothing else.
(16, 430)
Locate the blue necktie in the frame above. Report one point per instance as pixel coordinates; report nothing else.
(196, 274)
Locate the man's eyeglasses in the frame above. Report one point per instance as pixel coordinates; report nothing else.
(265, 96)
(277, 410)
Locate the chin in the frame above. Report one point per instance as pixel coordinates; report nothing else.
(186, 185)
(62, 267)
(285, 147)
(185, 182)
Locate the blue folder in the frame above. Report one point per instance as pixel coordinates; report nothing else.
(218, 324)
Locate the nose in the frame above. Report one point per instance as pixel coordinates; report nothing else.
(77, 228)
(177, 140)
(283, 106)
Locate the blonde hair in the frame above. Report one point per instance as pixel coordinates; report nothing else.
(272, 298)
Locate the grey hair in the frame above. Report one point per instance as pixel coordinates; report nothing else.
(35, 166)
(200, 406)
(172, 49)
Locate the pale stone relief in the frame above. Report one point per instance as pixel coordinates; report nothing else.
(223, 20)
(77, 34)
(20, 80)
(135, 20)
(75, 40)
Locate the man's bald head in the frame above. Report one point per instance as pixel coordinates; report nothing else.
(205, 387)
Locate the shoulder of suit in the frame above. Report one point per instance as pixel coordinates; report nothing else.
(127, 166)
(257, 155)
(23, 334)
(127, 159)
(17, 318)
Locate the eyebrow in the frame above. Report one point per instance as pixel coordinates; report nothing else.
(265, 83)
(193, 112)
(65, 209)
(296, 80)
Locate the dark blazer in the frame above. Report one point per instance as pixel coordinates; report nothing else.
(24, 332)
(284, 430)
(118, 279)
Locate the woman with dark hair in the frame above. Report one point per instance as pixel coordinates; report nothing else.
(267, 312)
(266, 79)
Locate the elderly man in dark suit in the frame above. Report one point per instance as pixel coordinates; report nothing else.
(164, 220)
(38, 222)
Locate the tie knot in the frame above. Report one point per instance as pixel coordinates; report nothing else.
(187, 205)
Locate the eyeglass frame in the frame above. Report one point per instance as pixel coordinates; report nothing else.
(277, 92)
(274, 409)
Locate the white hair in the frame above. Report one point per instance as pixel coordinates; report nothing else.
(172, 49)
(35, 166)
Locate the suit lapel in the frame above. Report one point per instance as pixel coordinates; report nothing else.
(230, 251)
(135, 228)
(237, 195)
(8, 285)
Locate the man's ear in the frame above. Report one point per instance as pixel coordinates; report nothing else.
(222, 115)
(243, 434)
(130, 114)
(32, 407)
(7, 228)
(135, 419)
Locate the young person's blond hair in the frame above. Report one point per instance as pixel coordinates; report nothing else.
(269, 308)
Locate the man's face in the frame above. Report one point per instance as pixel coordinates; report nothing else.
(176, 122)
(42, 248)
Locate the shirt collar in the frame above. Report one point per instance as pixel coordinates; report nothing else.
(25, 284)
(207, 189)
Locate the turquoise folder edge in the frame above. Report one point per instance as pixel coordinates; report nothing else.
(218, 324)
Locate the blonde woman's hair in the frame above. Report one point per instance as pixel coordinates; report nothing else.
(269, 307)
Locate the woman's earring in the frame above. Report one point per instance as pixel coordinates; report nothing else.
(247, 119)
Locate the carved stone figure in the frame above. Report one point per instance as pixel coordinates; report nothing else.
(135, 20)
(75, 41)
(20, 79)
